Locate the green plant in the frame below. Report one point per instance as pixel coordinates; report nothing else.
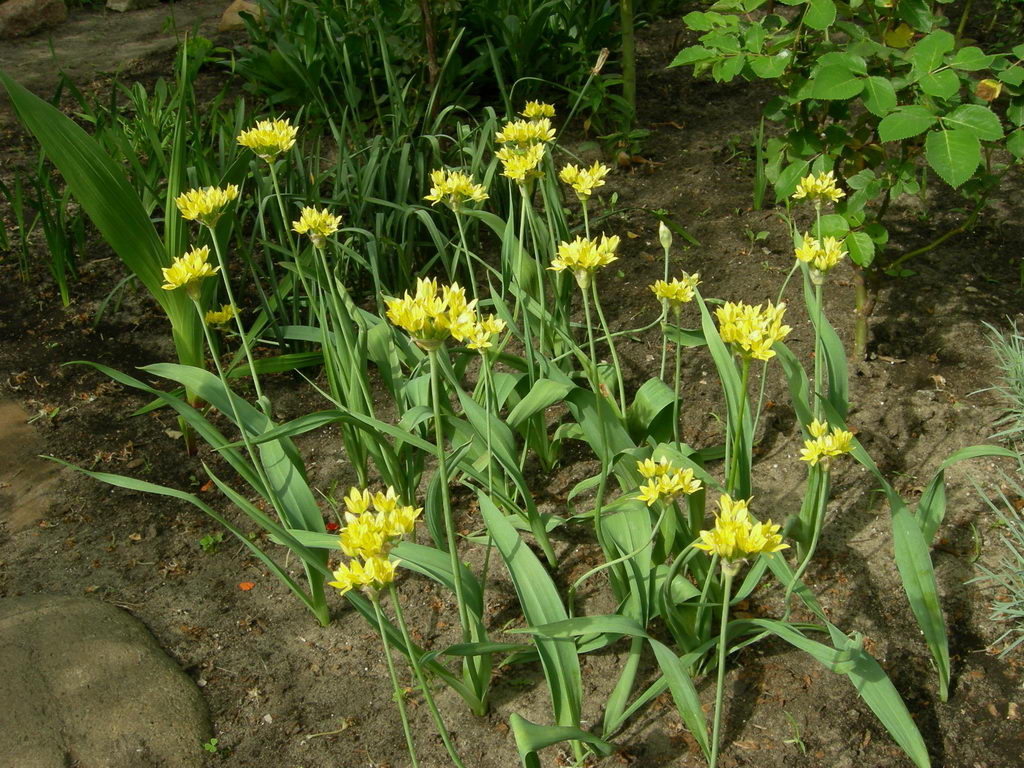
(211, 746)
(1007, 576)
(881, 94)
(1008, 349)
(211, 541)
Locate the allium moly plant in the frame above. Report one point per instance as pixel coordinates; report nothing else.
(472, 377)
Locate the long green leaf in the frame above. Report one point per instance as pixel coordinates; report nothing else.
(531, 738)
(541, 605)
(871, 682)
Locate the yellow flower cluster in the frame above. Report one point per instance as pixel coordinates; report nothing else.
(269, 138)
(752, 330)
(317, 224)
(526, 133)
(825, 445)
(665, 481)
(432, 315)
(188, 270)
(736, 536)
(524, 142)
(821, 255)
(584, 180)
(818, 188)
(484, 330)
(454, 188)
(205, 205)
(537, 109)
(582, 256)
(521, 165)
(677, 292)
(375, 572)
(222, 316)
(373, 522)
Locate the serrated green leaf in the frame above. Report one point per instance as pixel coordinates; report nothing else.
(1015, 111)
(929, 51)
(861, 248)
(916, 13)
(971, 59)
(979, 120)
(692, 55)
(1012, 76)
(834, 225)
(1015, 143)
(905, 122)
(953, 154)
(942, 84)
(820, 14)
(879, 96)
(836, 82)
(769, 67)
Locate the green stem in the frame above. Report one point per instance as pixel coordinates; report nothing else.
(734, 463)
(422, 680)
(611, 347)
(675, 392)
(264, 403)
(727, 576)
(442, 469)
(399, 694)
(819, 353)
(465, 250)
(820, 503)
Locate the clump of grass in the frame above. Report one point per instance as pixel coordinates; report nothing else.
(1008, 348)
(1007, 577)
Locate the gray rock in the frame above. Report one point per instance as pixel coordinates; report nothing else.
(20, 18)
(130, 5)
(85, 683)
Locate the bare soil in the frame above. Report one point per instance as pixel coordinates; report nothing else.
(285, 692)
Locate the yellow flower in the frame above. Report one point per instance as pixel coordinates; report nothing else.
(825, 445)
(430, 317)
(205, 205)
(526, 133)
(821, 255)
(751, 330)
(402, 520)
(666, 482)
(269, 138)
(677, 292)
(356, 503)
(584, 180)
(483, 331)
(376, 572)
(454, 188)
(818, 188)
(736, 536)
(318, 224)
(537, 109)
(223, 317)
(583, 256)
(649, 468)
(188, 270)
(364, 536)
(521, 165)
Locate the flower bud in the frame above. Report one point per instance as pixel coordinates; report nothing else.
(664, 235)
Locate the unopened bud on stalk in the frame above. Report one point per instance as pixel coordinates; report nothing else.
(602, 58)
(664, 235)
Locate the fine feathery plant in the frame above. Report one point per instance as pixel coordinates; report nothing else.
(473, 372)
(1006, 577)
